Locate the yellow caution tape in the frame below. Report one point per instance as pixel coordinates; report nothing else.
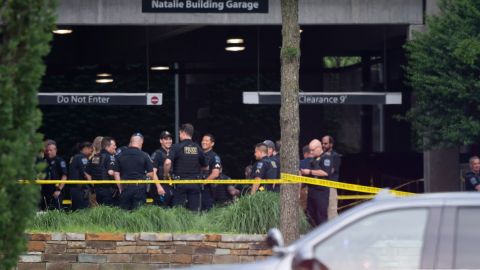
(172, 182)
(286, 179)
(339, 185)
(355, 197)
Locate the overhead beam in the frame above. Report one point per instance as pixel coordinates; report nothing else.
(101, 99)
(328, 98)
(311, 12)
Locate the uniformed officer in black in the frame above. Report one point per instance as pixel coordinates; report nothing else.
(133, 164)
(56, 170)
(162, 194)
(212, 193)
(317, 199)
(274, 158)
(77, 171)
(101, 167)
(187, 159)
(472, 177)
(262, 169)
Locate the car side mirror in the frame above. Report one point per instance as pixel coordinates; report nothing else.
(305, 260)
(274, 238)
(312, 264)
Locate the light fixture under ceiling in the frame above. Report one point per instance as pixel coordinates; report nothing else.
(105, 80)
(62, 31)
(104, 75)
(235, 40)
(159, 68)
(237, 48)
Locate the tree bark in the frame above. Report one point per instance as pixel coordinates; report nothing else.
(289, 119)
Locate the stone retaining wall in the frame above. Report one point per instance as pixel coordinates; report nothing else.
(84, 251)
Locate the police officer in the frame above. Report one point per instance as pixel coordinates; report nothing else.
(56, 170)
(133, 164)
(212, 193)
(472, 178)
(327, 146)
(101, 167)
(317, 199)
(162, 194)
(262, 169)
(187, 159)
(77, 171)
(274, 159)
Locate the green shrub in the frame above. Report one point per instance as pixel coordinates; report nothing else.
(25, 32)
(250, 214)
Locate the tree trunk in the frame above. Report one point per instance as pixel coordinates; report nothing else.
(289, 119)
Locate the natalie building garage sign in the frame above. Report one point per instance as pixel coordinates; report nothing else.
(205, 6)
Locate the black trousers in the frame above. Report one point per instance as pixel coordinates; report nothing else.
(317, 205)
(165, 200)
(133, 197)
(207, 197)
(189, 195)
(47, 201)
(107, 196)
(79, 196)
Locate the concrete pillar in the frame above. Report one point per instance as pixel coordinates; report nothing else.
(441, 170)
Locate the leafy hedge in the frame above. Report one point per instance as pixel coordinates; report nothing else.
(250, 214)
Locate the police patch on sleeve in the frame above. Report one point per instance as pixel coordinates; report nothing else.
(259, 165)
(327, 162)
(63, 164)
(84, 161)
(96, 160)
(473, 181)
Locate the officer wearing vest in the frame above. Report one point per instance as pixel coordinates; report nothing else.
(317, 199)
(262, 169)
(77, 171)
(56, 170)
(187, 159)
(162, 194)
(101, 167)
(210, 192)
(472, 178)
(274, 159)
(133, 164)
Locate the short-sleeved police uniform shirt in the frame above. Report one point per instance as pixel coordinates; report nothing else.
(187, 158)
(77, 167)
(275, 163)
(133, 164)
(324, 163)
(98, 167)
(472, 180)
(213, 160)
(263, 169)
(56, 168)
(158, 158)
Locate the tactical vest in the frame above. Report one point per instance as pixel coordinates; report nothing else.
(98, 169)
(187, 164)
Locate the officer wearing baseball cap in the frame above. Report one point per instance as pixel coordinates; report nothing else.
(162, 194)
(274, 160)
